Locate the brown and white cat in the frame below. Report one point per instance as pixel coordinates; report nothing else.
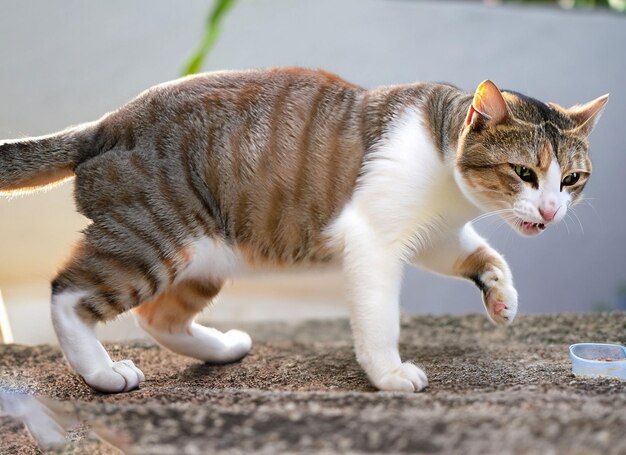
(209, 176)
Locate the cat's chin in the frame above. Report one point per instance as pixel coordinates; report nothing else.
(528, 228)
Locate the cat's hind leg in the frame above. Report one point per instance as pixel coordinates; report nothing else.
(83, 351)
(169, 320)
(96, 286)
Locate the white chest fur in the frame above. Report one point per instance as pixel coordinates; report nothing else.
(408, 193)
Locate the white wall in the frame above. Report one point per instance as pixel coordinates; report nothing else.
(70, 61)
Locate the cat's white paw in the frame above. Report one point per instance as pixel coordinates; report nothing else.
(212, 346)
(501, 303)
(202, 343)
(239, 344)
(406, 378)
(121, 376)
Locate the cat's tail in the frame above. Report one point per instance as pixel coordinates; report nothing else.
(38, 162)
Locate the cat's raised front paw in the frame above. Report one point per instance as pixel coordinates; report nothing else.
(122, 376)
(501, 303)
(406, 378)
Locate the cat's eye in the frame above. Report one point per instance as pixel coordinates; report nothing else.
(571, 179)
(526, 174)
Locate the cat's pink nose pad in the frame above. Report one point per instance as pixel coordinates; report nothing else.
(498, 307)
(547, 214)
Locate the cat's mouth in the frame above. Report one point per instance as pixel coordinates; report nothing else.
(530, 228)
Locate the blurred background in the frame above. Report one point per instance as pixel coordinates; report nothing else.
(70, 61)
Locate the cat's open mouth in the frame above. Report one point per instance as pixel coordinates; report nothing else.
(530, 228)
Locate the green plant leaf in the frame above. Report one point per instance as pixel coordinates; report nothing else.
(212, 32)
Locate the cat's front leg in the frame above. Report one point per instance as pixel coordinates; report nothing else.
(465, 254)
(373, 273)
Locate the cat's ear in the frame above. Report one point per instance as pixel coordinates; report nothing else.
(587, 115)
(488, 107)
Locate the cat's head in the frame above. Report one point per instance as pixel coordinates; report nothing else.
(526, 158)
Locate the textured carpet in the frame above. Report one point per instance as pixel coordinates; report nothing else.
(492, 391)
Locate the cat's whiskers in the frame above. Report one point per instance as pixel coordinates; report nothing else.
(566, 225)
(572, 212)
(500, 212)
(586, 201)
(501, 223)
(517, 223)
(505, 219)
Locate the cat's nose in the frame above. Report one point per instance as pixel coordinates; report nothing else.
(547, 213)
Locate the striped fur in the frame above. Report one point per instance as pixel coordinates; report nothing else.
(256, 168)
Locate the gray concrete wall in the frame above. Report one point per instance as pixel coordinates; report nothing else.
(69, 61)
